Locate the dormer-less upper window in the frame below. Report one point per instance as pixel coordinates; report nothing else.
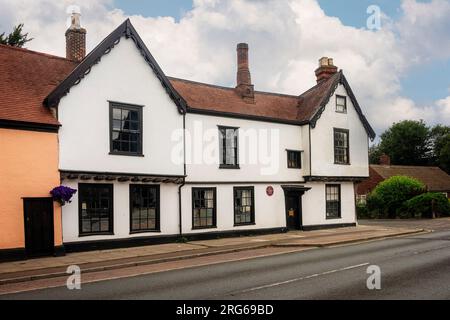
(341, 104)
(229, 148)
(126, 129)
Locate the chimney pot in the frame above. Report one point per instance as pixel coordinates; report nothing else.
(244, 81)
(75, 39)
(326, 69)
(385, 160)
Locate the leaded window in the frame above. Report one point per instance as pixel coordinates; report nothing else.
(95, 209)
(126, 129)
(229, 149)
(333, 199)
(204, 208)
(144, 207)
(341, 146)
(244, 206)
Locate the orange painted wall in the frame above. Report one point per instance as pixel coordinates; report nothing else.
(28, 169)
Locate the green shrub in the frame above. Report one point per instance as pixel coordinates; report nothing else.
(422, 206)
(389, 196)
(375, 206)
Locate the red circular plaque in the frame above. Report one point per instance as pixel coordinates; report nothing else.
(269, 191)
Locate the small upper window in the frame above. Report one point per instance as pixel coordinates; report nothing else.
(294, 159)
(341, 104)
(126, 129)
(228, 140)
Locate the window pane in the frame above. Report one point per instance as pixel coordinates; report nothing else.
(333, 201)
(228, 146)
(126, 127)
(341, 146)
(96, 208)
(144, 212)
(117, 114)
(243, 206)
(203, 208)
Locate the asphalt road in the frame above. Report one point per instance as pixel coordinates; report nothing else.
(415, 267)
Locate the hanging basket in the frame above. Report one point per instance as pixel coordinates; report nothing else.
(63, 194)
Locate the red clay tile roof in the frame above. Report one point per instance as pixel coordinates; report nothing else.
(201, 96)
(433, 177)
(207, 97)
(26, 78)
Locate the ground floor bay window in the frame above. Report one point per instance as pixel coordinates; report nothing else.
(95, 209)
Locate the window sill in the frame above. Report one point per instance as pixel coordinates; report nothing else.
(96, 234)
(299, 168)
(244, 224)
(335, 218)
(343, 112)
(204, 228)
(342, 164)
(144, 231)
(223, 166)
(125, 154)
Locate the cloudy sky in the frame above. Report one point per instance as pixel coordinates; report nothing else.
(399, 71)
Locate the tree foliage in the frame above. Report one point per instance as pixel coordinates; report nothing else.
(440, 139)
(374, 154)
(391, 194)
(414, 143)
(407, 143)
(424, 205)
(16, 38)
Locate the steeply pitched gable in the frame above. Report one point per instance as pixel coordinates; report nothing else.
(127, 30)
(313, 102)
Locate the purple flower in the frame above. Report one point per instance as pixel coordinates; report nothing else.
(63, 194)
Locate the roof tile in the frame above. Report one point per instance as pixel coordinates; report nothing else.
(26, 78)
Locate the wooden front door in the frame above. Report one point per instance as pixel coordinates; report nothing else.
(293, 211)
(39, 228)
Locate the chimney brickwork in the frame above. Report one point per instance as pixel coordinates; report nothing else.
(75, 40)
(244, 86)
(326, 69)
(385, 160)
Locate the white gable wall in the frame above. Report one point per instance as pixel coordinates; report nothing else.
(121, 76)
(322, 141)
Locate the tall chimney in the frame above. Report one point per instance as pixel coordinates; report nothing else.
(326, 69)
(244, 81)
(75, 39)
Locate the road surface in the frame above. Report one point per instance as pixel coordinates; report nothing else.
(415, 267)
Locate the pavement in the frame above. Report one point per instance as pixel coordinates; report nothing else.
(441, 224)
(107, 260)
(411, 267)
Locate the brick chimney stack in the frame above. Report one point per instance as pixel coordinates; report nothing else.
(385, 160)
(326, 69)
(244, 81)
(75, 39)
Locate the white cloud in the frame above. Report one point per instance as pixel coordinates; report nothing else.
(286, 40)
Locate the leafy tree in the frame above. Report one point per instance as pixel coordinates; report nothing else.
(407, 143)
(16, 38)
(440, 144)
(375, 154)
